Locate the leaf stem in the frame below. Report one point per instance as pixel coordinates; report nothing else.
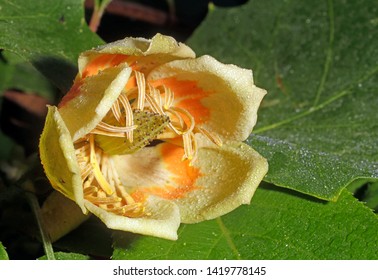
(98, 11)
(34, 205)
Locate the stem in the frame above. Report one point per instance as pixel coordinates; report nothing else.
(98, 11)
(34, 205)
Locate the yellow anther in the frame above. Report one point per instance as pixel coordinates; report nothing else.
(96, 169)
(109, 200)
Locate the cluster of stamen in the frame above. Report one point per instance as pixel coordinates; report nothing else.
(139, 116)
(101, 183)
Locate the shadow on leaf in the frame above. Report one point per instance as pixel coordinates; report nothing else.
(58, 70)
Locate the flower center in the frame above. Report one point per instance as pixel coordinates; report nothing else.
(140, 115)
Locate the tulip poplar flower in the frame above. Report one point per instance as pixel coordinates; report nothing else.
(149, 136)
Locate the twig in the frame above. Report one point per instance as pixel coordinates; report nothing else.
(134, 11)
(34, 205)
(98, 11)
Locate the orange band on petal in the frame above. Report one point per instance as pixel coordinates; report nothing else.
(183, 176)
(102, 62)
(169, 192)
(131, 83)
(139, 196)
(188, 95)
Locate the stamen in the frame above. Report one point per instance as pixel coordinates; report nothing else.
(195, 147)
(155, 93)
(133, 210)
(86, 171)
(155, 107)
(173, 125)
(188, 148)
(141, 84)
(103, 200)
(188, 115)
(90, 190)
(211, 136)
(104, 164)
(184, 127)
(128, 198)
(96, 169)
(116, 110)
(168, 97)
(118, 185)
(107, 133)
(83, 160)
(88, 182)
(129, 117)
(112, 128)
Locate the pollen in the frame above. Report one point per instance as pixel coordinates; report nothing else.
(141, 115)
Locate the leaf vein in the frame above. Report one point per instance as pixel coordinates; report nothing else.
(328, 58)
(228, 238)
(338, 95)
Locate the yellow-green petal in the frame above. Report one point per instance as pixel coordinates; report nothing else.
(162, 219)
(159, 49)
(85, 106)
(230, 177)
(220, 180)
(221, 97)
(58, 158)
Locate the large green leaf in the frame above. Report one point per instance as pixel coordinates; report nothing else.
(277, 225)
(318, 125)
(49, 33)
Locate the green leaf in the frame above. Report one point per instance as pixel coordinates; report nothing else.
(277, 225)
(3, 253)
(318, 125)
(67, 256)
(19, 74)
(49, 33)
